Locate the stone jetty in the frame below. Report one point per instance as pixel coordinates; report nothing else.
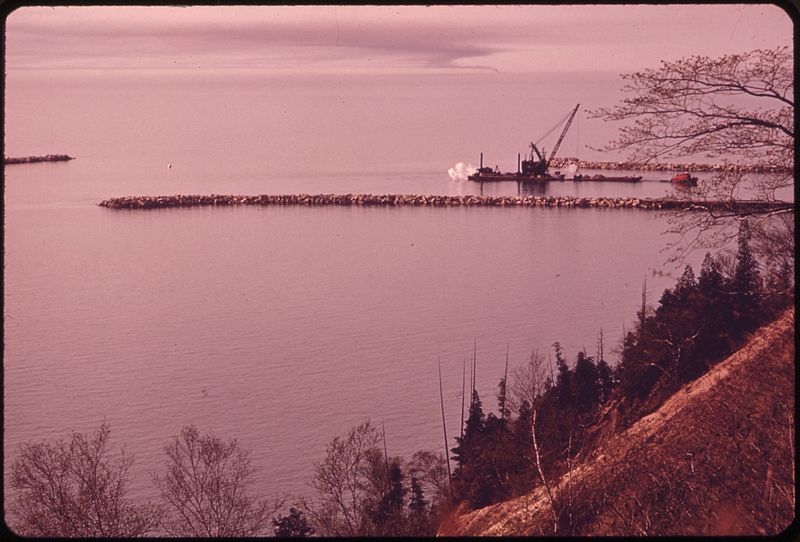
(396, 200)
(665, 166)
(33, 159)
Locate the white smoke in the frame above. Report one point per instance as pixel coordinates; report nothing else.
(571, 170)
(461, 171)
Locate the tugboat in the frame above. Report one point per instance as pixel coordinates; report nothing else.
(535, 168)
(685, 179)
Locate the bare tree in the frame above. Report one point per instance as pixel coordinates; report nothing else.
(75, 490)
(430, 469)
(773, 241)
(343, 480)
(205, 489)
(527, 382)
(737, 107)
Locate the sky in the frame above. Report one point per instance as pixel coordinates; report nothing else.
(379, 39)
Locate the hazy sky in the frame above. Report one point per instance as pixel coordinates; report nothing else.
(393, 39)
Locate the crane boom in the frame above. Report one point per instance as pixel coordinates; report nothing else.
(563, 133)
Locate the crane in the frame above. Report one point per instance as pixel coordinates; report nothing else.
(563, 133)
(539, 167)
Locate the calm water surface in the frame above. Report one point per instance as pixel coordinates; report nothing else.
(283, 327)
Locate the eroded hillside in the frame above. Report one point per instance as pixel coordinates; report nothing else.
(717, 458)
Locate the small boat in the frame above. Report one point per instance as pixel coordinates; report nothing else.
(684, 178)
(603, 178)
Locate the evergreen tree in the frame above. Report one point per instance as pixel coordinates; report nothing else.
(396, 494)
(716, 307)
(779, 288)
(711, 279)
(494, 463)
(389, 518)
(746, 286)
(502, 397)
(386, 512)
(678, 328)
(293, 525)
(585, 386)
(467, 452)
(636, 374)
(605, 380)
(679, 296)
(522, 446)
(687, 280)
(563, 387)
(419, 518)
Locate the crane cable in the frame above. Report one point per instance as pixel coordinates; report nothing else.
(559, 123)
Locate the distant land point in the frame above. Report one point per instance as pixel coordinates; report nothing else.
(33, 159)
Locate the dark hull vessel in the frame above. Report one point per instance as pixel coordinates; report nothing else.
(533, 169)
(492, 177)
(612, 179)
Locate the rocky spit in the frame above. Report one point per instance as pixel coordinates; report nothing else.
(34, 159)
(395, 200)
(667, 166)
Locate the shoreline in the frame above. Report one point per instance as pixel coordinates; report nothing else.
(396, 200)
(647, 166)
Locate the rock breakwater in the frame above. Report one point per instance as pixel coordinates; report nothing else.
(33, 159)
(395, 200)
(666, 166)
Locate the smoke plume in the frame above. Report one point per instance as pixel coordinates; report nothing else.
(461, 171)
(570, 171)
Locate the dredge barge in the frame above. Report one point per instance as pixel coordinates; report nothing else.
(535, 168)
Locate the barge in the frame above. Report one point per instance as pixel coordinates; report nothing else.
(612, 179)
(535, 168)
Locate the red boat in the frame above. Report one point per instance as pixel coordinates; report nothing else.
(684, 178)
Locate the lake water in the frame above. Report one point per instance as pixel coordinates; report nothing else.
(284, 326)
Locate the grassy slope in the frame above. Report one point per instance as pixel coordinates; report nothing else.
(716, 458)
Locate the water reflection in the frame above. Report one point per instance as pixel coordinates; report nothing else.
(535, 188)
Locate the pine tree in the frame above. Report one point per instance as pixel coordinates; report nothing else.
(585, 385)
(494, 463)
(605, 380)
(715, 305)
(779, 288)
(522, 445)
(711, 279)
(746, 286)
(466, 454)
(687, 280)
(475, 420)
(293, 525)
(679, 296)
(388, 515)
(419, 518)
(636, 375)
(502, 397)
(563, 386)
